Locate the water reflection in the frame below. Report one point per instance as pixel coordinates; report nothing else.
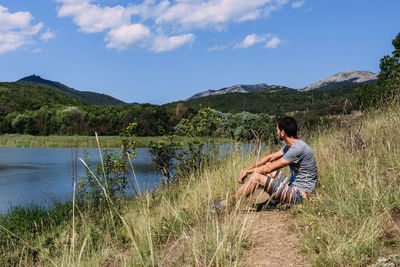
(41, 175)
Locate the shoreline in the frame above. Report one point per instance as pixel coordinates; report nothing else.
(79, 141)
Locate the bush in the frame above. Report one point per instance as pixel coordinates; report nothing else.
(187, 158)
(164, 153)
(112, 175)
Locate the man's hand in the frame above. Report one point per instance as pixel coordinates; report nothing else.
(242, 175)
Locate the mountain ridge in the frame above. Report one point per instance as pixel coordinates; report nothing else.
(238, 88)
(87, 97)
(337, 80)
(342, 79)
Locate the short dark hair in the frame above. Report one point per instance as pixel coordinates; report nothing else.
(289, 125)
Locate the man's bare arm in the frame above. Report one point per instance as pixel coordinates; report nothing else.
(275, 165)
(269, 158)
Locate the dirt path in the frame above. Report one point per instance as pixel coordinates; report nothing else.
(273, 242)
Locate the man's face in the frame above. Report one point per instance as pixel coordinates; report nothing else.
(280, 133)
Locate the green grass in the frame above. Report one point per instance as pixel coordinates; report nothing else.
(352, 220)
(57, 141)
(139, 231)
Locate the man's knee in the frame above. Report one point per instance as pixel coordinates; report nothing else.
(258, 179)
(253, 178)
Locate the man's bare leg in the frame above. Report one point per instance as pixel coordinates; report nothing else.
(250, 186)
(243, 191)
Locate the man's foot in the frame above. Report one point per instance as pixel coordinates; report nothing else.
(267, 205)
(217, 207)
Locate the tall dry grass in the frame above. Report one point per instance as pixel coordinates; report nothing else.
(168, 226)
(354, 217)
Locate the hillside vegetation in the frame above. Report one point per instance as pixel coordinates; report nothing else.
(280, 101)
(355, 215)
(90, 98)
(41, 110)
(19, 98)
(351, 220)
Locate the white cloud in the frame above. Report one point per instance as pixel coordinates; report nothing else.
(163, 43)
(189, 14)
(47, 35)
(298, 4)
(251, 40)
(10, 21)
(93, 18)
(216, 48)
(273, 43)
(16, 29)
(128, 36)
(37, 50)
(167, 21)
(274, 6)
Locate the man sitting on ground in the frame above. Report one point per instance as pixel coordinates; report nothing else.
(266, 173)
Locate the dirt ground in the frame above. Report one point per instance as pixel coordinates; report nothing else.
(273, 241)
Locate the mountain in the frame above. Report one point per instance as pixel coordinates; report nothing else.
(338, 80)
(240, 88)
(30, 98)
(86, 97)
(278, 101)
(343, 79)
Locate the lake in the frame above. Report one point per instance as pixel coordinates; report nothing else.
(42, 175)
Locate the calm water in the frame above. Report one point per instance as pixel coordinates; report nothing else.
(42, 175)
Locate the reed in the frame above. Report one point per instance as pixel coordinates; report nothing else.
(59, 141)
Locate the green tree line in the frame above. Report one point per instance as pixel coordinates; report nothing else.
(279, 102)
(39, 110)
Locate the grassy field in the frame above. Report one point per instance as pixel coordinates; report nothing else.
(352, 220)
(355, 216)
(137, 232)
(56, 141)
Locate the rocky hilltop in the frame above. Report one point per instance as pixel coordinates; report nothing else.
(240, 88)
(343, 79)
(335, 81)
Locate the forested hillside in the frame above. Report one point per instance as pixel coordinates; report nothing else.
(280, 101)
(91, 98)
(42, 110)
(39, 110)
(19, 97)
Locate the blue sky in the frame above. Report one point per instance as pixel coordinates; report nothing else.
(158, 51)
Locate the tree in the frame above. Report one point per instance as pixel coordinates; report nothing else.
(181, 111)
(205, 123)
(163, 154)
(388, 84)
(389, 76)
